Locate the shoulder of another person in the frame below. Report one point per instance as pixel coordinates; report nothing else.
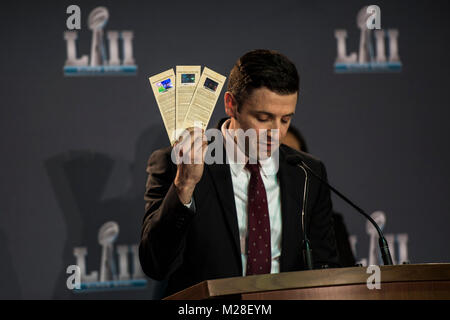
(162, 155)
(162, 152)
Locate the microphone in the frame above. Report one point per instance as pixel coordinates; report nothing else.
(296, 160)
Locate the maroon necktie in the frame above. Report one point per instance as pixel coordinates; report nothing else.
(259, 258)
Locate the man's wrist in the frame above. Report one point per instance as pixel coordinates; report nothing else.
(188, 205)
(184, 191)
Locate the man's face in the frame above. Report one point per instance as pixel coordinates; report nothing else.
(264, 109)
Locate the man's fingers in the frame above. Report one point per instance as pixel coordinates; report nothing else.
(205, 148)
(191, 145)
(199, 150)
(192, 150)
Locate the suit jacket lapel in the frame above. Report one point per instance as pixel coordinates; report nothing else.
(221, 177)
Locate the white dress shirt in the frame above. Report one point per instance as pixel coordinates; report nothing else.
(241, 178)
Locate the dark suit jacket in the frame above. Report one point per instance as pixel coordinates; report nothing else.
(188, 247)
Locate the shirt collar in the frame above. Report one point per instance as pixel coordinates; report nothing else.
(268, 166)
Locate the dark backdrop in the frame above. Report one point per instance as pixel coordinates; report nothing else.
(74, 150)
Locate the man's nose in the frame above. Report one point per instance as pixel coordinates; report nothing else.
(276, 125)
(275, 131)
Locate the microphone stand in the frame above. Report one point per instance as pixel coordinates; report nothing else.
(384, 247)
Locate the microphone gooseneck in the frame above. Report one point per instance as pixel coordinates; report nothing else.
(296, 160)
(307, 252)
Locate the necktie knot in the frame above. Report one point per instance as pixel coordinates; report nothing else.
(252, 167)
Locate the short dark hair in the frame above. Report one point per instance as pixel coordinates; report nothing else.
(262, 68)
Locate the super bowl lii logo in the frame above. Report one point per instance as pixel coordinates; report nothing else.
(398, 243)
(126, 274)
(116, 62)
(373, 55)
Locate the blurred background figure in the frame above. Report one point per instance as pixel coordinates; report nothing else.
(295, 140)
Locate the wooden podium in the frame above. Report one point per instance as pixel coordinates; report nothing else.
(404, 282)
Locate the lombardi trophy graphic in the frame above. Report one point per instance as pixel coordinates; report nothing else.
(96, 22)
(365, 37)
(107, 235)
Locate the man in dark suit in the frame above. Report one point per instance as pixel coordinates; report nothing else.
(230, 218)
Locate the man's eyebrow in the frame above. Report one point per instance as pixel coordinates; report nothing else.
(271, 114)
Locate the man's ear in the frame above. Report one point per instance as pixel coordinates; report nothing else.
(230, 104)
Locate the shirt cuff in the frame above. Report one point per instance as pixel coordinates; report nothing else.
(190, 205)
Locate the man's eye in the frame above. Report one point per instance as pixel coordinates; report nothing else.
(285, 120)
(263, 119)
